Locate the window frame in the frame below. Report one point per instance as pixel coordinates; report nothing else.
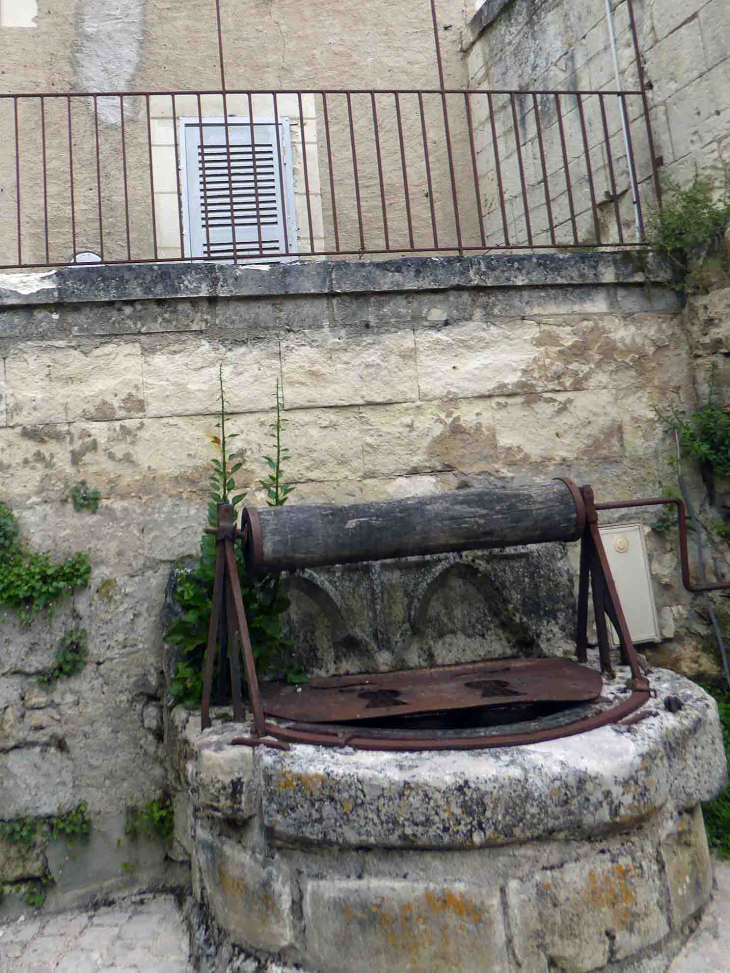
(291, 228)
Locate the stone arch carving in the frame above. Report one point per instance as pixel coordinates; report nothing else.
(344, 638)
(477, 572)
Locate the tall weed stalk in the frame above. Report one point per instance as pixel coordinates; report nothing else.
(263, 598)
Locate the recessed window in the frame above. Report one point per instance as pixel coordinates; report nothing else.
(238, 189)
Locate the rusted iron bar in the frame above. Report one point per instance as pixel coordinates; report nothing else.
(381, 179)
(177, 178)
(98, 177)
(475, 168)
(429, 181)
(521, 169)
(305, 166)
(45, 176)
(589, 171)
(546, 181)
(632, 167)
(443, 248)
(498, 168)
(125, 177)
(355, 171)
(204, 181)
(168, 92)
(645, 103)
(71, 177)
(17, 183)
(566, 166)
(281, 173)
(612, 177)
(254, 165)
(152, 177)
(404, 166)
(682, 527)
(331, 169)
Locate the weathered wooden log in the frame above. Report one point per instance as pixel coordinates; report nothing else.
(312, 535)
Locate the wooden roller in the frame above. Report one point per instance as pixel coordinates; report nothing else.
(312, 535)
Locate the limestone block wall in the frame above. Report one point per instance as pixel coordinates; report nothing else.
(399, 378)
(549, 45)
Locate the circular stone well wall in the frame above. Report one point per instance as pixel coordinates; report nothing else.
(576, 855)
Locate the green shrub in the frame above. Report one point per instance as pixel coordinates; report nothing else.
(691, 219)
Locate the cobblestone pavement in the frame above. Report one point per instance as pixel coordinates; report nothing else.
(144, 935)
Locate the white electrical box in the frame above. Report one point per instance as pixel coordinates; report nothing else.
(627, 558)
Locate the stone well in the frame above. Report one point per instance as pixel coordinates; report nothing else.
(582, 854)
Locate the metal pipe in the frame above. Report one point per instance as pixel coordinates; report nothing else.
(624, 122)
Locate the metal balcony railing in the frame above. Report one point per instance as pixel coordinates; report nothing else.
(131, 177)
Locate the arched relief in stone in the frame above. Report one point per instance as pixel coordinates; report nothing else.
(429, 611)
(325, 642)
(462, 611)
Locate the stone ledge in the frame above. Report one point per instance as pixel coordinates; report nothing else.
(145, 282)
(483, 18)
(473, 799)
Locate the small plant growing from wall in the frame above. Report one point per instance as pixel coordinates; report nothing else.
(155, 819)
(263, 598)
(73, 826)
(69, 658)
(30, 581)
(689, 229)
(84, 497)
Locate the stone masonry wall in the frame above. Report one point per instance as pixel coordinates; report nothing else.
(399, 378)
(550, 44)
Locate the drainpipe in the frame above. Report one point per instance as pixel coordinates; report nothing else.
(624, 121)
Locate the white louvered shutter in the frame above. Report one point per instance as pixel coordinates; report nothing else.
(250, 190)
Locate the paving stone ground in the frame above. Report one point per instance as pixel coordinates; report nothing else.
(708, 951)
(146, 935)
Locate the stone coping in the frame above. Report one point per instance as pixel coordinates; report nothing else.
(144, 282)
(485, 15)
(576, 788)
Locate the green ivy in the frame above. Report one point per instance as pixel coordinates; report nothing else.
(155, 819)
(84, 497)
(75, 824)
(263, 598)
(69, 658)
(29, 580)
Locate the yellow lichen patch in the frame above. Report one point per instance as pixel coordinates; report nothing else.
(347, 807)
(449, 901)
(312, 783)
(613, 892)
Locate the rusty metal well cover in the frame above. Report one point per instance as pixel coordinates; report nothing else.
(342, 699)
